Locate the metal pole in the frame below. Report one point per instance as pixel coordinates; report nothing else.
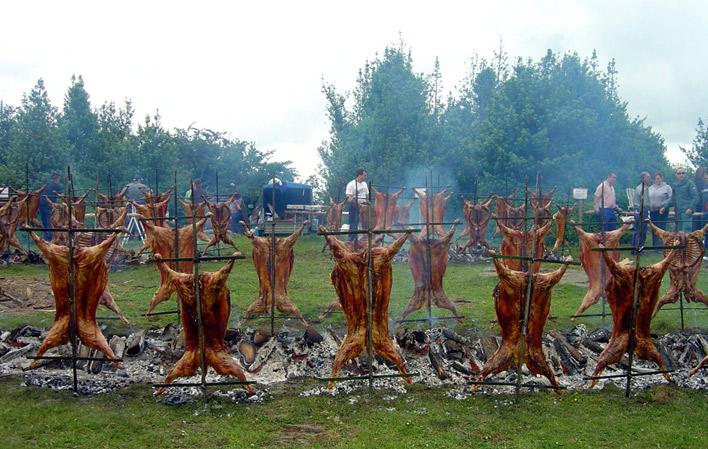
(529, 289)
(635, 299)
(197, 297)
(72, 279)
(95, 212)
(428, 253)
(218, 242)
(273, 242)
(370, 295)
(603, 265)
(27, 199)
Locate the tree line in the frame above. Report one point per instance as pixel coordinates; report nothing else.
(560, 116)
(106, 142)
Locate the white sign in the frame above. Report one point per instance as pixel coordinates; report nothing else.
(580, 194)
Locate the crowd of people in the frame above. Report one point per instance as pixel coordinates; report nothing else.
(653, 198)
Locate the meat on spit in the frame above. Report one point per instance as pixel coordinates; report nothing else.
(10, 217)
(284, 258)
(561, 218)
(161, 240)
(334, 214)
(199, 211)
(620, 297)
(685, 267)
(513, 242)
(110, 201)
(509, 298)
(220, 222)
(402, 214)
(59, 218)
(384, 208)
(477, 217)
(153, 210)
(78, 206)
(350, 279)
(90, 281)
(541, 205)
(429, 278)
(215, 311)
(436, 205)
(593, 262)
(30, 206)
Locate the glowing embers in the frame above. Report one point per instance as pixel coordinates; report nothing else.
(427, 259)
(684, 267)
(517, 342)
(90, 279)
(350, 277)
(273, 286)
(214, 312)
(620, 297)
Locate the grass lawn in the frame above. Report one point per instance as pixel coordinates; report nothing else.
(662, 417)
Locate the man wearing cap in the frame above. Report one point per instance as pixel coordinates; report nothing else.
(134, 190)
(685, 198)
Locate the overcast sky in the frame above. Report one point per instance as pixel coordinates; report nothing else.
(255, 70)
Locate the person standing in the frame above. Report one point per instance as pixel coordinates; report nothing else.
(605, 203)
(698, 181)
(660, 195)
(357, 193)
(50, 192)
(704, 199)
(685, 199)
(238, 213)
(641, 210)
(198, 192)
(134, 190)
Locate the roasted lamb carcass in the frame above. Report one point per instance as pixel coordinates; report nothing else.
(284, 259)
(110, 217)
(561, 218)
(620, 296)
(78, 206)
(220, 222)
(509, 298)
(334, 214)
(352, 245)
(384, 208)
(59, 218)
(30, 206)
(429, 278)
(10, 216)
(111, 201)
(350, 279)
(199, 211)
(593, 262)
(513, 243)
(684, 267)
(153, 210)
(541, 205)
(402, 214)
(436, 206)
(90, 281)
(215, 311)
(477, 217)
(162, 240)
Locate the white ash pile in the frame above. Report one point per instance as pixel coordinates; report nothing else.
(437, 357)
(473, 254)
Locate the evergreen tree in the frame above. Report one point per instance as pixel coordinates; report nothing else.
(79, 128)
(697, 155)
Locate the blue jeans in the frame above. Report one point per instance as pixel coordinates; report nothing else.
(44, 214)
(685, 223)
(608, 219)
(353, 219)
(640, 230)
(660, 221)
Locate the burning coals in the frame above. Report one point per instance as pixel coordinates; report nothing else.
(436, 358)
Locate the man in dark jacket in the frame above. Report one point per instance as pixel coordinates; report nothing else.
(45, 209)
(685, 199)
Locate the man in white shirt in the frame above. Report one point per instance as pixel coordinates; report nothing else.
(357, 192)
(606, 203)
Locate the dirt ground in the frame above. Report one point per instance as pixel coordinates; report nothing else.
(17, 293)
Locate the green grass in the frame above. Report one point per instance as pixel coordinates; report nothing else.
(662, 417)
(311, 290)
